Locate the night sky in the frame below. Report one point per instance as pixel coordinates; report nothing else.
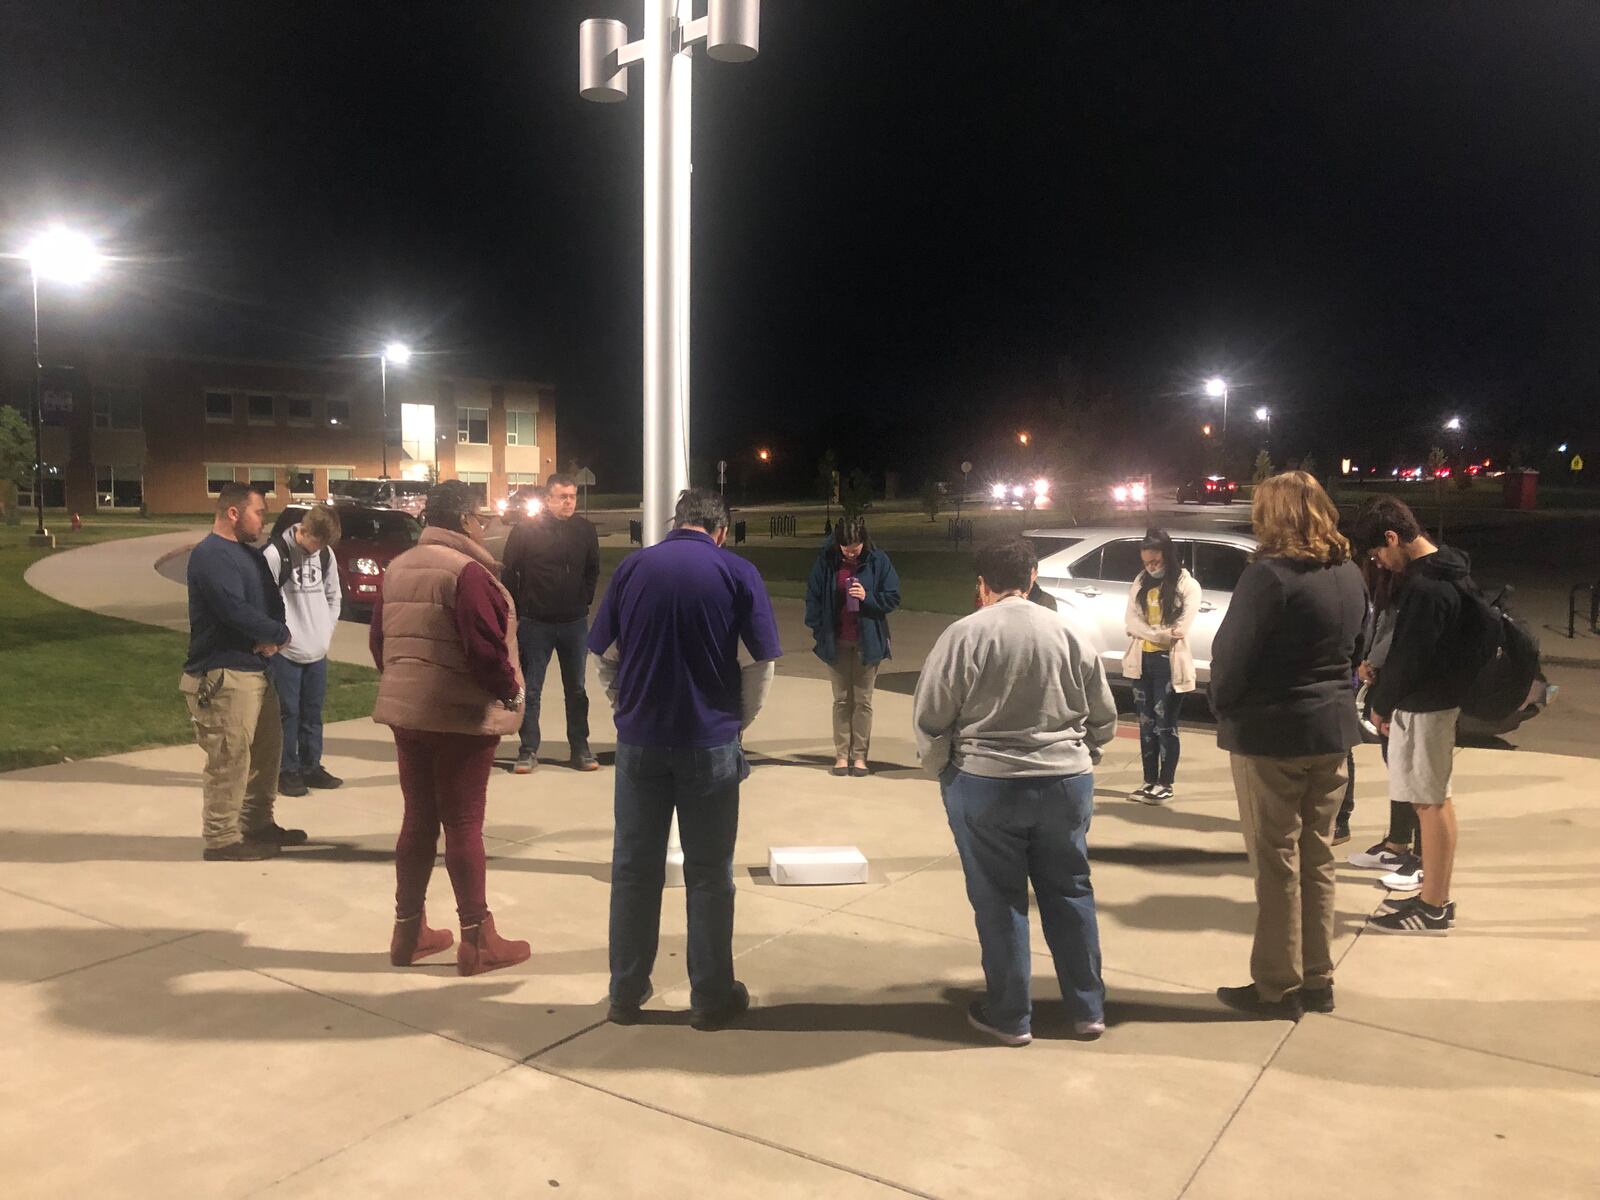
(919, 225)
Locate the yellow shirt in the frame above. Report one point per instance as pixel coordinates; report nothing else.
(1152, 616)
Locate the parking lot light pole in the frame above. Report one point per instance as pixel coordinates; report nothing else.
(731, 33)
(1217, 388)
(65, 256)
(399, 354)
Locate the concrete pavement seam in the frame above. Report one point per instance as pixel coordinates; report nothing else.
(117, 957)
(734, 1133)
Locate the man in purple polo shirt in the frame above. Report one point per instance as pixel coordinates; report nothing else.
(676, 613)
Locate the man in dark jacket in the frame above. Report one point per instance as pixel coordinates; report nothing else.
(552, 564)
(236, 623)
(1440, 643)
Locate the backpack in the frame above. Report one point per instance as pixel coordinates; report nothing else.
(1508, 655)
(281, 544)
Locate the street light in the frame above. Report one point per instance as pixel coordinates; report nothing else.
(399, 354)
(1024, 437)
(1217, 388)
(764, 454)
(63, 256)
(731, 33)
(1453, 424)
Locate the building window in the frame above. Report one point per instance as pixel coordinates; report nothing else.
(472, 426)
(264, 480)
(219, 408)
(338, 412)
(522, 479)
(55, 489)
(302, 482)
(478, 481)
(341, 473)
(519, 428)
(116, 408)
(118, 487)
(259, 410)
(218, 474)
(301, 410)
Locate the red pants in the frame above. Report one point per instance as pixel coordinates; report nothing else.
(445, 779)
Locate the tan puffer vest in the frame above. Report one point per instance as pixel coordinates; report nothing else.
(425, 682)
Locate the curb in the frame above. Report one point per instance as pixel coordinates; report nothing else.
(1556, 660)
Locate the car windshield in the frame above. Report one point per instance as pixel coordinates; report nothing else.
(1046, 544)
(386, 528)
(354, 489)
(409, 487)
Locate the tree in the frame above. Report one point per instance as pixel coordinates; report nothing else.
(827, 481)
(1308, 464)
(855, 496)
(1436, 460)
(930, 499)
(16, 459)
(1264, 469)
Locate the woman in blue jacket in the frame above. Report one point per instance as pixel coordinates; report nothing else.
(851, 592)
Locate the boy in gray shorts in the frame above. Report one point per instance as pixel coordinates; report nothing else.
(1435, 656)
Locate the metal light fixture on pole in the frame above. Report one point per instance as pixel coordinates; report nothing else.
(62, 255)
(1217, 388)
(731, 33)
(399, 354)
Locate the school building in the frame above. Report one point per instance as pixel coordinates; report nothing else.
(125, 430)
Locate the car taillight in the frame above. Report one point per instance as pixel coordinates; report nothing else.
(1211, 485)
(1232, 486)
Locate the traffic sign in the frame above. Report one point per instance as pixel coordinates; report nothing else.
(585, 477)
(1577, 462)
(966, 468)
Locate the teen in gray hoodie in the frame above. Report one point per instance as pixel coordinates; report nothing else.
(301, 562)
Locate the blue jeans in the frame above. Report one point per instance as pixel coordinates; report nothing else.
(536, 641)
(703, 786)
(1008, 832)
(1157, 705)
(302, 688)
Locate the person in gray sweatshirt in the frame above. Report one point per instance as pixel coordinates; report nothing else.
(1010, 712)
(302, 564)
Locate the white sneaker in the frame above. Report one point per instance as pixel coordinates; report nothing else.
(1407, 879)
(1378, 858)
(1141, 793)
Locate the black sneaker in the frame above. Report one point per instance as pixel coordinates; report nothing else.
(322, 781)
(1247, 1000)
(1401, 903)
(526, 763)
(241, 852)
(628, 1014)
(1317, 1000)
(583, 759)
(290, 784)
(1419, 920)
(737, 1004)
(276, 835)
(977, 1019)
(1341, 834)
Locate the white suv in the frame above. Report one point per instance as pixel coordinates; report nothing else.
(1089, 571)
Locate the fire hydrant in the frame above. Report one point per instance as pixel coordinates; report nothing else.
(77, 522)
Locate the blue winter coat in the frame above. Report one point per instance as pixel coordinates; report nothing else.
(877, 576)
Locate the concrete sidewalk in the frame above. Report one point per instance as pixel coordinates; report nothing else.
(190, 1028)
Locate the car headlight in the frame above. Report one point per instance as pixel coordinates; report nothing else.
(1137, 491)
(1041, 487)
(533, 508)
(1017, 491)
(998, 491)
(501, 507)
(365, 566)
(1119, 494)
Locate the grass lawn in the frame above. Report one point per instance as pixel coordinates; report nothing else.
(78, 684)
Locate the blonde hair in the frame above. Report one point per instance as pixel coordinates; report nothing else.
(322, 523)
(1293, 518)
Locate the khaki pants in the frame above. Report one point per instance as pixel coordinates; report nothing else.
(852, 701)
(1286, 810)
(241, 731)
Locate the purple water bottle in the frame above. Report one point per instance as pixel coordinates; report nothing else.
(851, 604)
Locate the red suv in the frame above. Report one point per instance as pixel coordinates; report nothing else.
(369, 541)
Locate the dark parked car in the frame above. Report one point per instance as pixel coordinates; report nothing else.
(1207, 489)
(409, 495)
(371, 537)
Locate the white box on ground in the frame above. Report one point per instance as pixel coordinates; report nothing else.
(816, 864)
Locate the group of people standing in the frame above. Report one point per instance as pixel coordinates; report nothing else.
(1011, 712)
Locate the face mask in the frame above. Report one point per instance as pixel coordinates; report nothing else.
(1161, 574)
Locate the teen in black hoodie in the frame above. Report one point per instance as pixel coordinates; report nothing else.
(1435, 656)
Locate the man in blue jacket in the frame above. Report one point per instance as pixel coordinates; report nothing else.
(236, 623)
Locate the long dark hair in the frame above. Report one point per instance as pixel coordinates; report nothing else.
(1380, 584)
(847, 531)
(1167, 586)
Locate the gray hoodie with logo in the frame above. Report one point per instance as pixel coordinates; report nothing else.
(311, 598)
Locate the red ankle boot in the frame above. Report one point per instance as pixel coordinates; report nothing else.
(414, 941)
(482, 949)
